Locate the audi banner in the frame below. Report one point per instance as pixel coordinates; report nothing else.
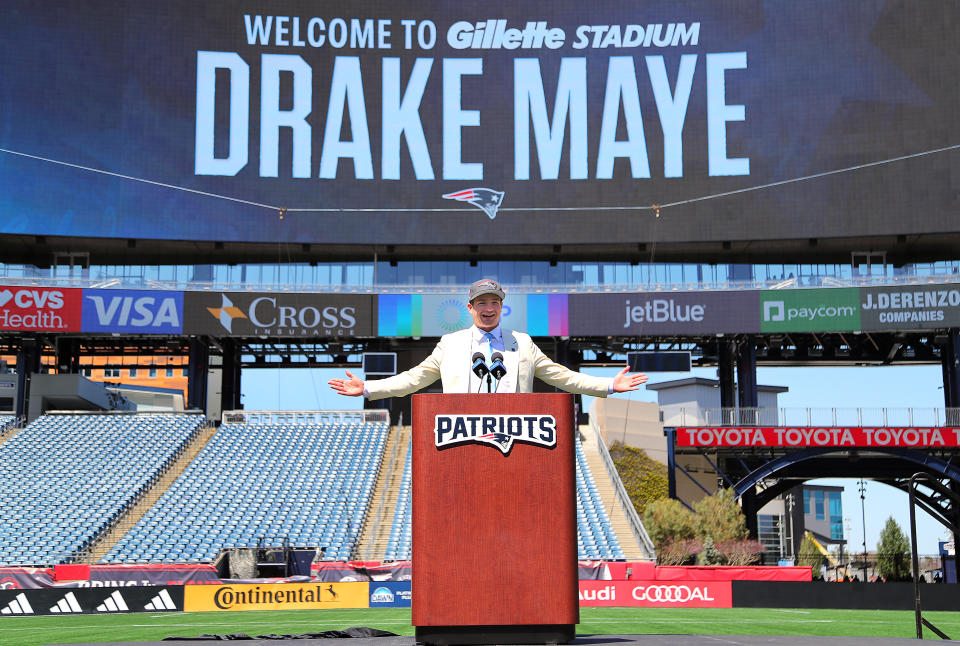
(657, 594)
(852, 436)
(279, 315)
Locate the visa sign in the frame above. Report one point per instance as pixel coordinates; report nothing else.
(131, 311)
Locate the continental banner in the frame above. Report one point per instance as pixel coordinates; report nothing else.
(277, 596)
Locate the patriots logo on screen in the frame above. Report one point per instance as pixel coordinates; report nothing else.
(500, 431)
(485, 199)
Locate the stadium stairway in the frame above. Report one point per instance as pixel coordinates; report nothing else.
(632, 549)
(383, 503)
(102, 544)
(8, 428)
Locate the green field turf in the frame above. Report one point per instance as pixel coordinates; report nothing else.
(34, 631)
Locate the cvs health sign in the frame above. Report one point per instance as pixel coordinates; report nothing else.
(40, 309)
(132, 311)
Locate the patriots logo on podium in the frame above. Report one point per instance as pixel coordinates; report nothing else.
(485, 199)
(500, 431)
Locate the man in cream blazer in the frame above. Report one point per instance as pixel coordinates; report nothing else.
(451, 360)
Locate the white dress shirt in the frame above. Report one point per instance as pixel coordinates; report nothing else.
(486, 344)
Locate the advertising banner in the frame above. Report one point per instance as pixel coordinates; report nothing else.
(390, 594)
(279, 314)
(657, 594)
(433, 315)
(918, 307)
(664, 313)
(68, 601)
(848, 436)
(502, 124)
(279, 596)
(132, 311)
(40, 309)
(810, 310)
(17, 578)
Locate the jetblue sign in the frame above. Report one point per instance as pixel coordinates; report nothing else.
(136, 312)
(500, 431)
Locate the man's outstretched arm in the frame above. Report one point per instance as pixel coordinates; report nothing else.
(352, 387)
(624, 381)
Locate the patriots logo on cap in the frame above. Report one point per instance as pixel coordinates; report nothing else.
(486, 199)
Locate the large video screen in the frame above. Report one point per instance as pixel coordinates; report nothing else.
(434, 123)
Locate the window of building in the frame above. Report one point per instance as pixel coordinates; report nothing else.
(836, 515)
(132, 372)
(806, 502)
(836, 529)
(153, 373)
(86, 372)
(818, 505)
(768, 531)
(169, 372)
(111, 373)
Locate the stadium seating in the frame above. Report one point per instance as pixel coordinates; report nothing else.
(68, 477)
(595, 536)
(5, 421)
(309, 483)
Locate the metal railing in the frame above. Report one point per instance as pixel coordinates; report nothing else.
(818, 417)
(633, 519)
(11, 275)
(305, 416)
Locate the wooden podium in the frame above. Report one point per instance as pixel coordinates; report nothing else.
(494, 519)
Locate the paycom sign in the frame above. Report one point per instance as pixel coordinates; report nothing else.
(810, 310)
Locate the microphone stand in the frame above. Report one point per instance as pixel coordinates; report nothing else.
(489, 383)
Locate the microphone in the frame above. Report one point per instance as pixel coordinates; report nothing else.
(479, 366)
(497, 369)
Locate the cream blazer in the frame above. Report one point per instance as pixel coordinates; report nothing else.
(450, 362)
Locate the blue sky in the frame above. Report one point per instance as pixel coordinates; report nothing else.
(830, 387)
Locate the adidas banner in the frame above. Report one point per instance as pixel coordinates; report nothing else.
(66, 601)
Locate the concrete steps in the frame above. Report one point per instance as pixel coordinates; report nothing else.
(108, 540)
(618, 519)
(383, 503)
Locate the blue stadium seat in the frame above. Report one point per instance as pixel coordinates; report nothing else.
(76, 474)
(301, 481)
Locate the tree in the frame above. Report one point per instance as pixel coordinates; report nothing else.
(893, 553)
(715, 531)
(808, 555)
(667, 521)
(710, 554)
(644, 479)
(720, 518)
